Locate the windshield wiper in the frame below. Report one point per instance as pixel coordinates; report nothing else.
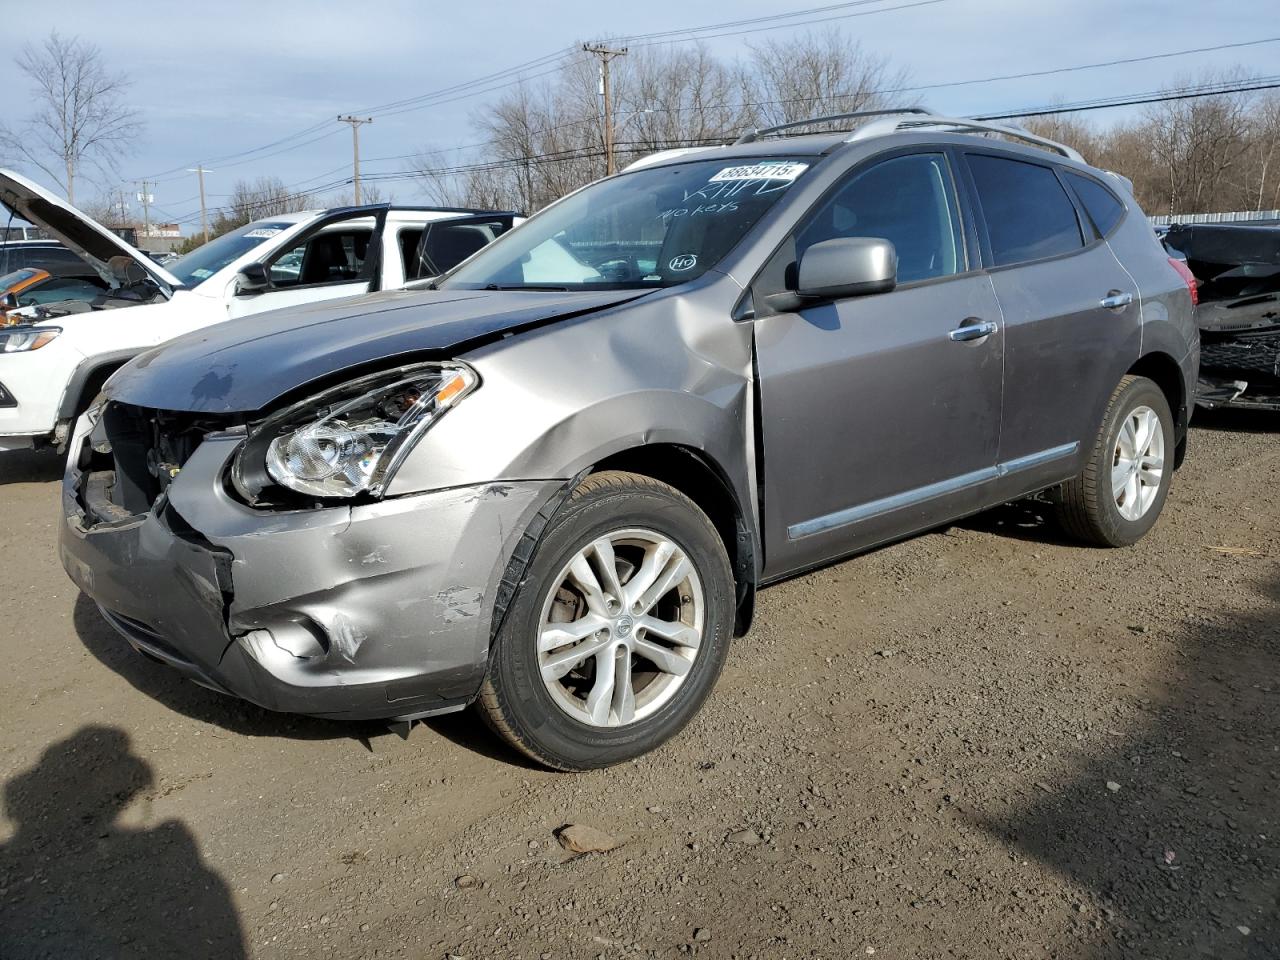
(524, 286)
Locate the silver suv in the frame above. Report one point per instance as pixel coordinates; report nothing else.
(552, 481)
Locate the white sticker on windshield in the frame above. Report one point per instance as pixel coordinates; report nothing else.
(202, 273)
(761, 171)
(263, 233)
(686, 261)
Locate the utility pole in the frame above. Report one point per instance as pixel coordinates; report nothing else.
(122, 206)
(204, 214)
(355, 151)
(606, 54)
(145, 199)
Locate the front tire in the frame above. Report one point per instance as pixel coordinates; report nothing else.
(1120, 493)
(618, 630)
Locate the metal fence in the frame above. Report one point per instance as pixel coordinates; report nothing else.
(1239, 216)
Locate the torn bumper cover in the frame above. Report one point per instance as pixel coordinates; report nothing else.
(380, 610)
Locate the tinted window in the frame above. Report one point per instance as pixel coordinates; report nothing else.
(1104, 208)
(442, 246)
(1029, 216)
(908, 201)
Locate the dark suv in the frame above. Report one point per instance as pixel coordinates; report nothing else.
(553, 480)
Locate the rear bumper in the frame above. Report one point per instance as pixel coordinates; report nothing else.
(380, 610)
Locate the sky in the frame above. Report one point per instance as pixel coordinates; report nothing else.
(236, 75)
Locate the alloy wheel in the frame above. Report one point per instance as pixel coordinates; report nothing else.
(1138, 463)
(621, 628)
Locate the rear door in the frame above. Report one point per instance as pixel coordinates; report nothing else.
(443, 244)
(340, 255)
(880, 415)
(1072, 315)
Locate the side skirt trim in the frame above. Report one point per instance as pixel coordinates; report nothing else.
(933, 491)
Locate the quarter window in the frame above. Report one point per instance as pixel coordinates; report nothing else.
(908, 201)
(1029, 215)
(1104, 209)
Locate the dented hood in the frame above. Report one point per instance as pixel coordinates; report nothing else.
(243, 365)
(77, 231)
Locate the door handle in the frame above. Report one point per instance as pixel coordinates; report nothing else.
(973, 331)
(1115, 300)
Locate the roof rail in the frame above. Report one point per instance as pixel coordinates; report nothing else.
(893, 124)
(753, 135)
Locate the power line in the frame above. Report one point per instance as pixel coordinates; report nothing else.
(881, 92)
(556, 61)
(1140, 99)
(803, 23)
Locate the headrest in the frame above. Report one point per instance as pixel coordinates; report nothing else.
(126, 270)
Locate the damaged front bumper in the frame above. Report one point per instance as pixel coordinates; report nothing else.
(380, 610)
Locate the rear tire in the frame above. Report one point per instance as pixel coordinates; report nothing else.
(618, 630)
(1119, 495)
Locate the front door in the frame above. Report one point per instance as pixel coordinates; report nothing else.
(339, 256)
(880, 415)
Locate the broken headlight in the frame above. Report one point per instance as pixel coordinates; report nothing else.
(350, 440)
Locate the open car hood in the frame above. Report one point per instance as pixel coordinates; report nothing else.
(77, 231)
(243, 365)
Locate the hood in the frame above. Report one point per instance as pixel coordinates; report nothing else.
(78, 232)
(242, 365)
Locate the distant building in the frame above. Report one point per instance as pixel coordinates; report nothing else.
(160, 238)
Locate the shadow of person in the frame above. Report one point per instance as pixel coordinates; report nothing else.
(1171, 826)
(76, 882)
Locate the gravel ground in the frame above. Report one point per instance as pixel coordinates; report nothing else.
(984, 742)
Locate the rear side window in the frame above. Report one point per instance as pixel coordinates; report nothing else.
(1104, 208)
(1029, 215)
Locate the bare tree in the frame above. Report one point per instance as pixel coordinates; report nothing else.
(1197, 142)
(1260, 180)
(80, 115)
(817, 74)
(370, 195)
(264, 197)
(1069, 130)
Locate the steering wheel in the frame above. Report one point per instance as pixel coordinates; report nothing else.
(619, 269)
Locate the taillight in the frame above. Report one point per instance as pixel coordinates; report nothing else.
(1188, 278)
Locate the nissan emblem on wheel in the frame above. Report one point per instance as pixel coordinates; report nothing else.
(549, 482)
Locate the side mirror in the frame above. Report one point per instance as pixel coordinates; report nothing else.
(8, 302)
(847, 267)
(253, 278)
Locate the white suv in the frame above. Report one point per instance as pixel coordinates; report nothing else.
(54, 356)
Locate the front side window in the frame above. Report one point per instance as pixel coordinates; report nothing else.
(654, 227)
(332, 256)
(908, 201)
(1029, 215)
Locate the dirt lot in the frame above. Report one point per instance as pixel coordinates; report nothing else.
(981, 743)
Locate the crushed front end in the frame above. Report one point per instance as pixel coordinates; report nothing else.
(375, 609)
(1238, 269)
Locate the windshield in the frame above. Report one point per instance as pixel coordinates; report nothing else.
(19, 278)
(203, 262)
(651, 228)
